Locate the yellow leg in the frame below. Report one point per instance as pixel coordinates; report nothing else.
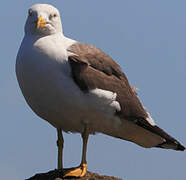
(82, 169)
(60, 142)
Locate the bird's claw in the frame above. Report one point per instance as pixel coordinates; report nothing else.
(77, 172)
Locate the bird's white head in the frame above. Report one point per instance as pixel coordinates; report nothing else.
(43, 20)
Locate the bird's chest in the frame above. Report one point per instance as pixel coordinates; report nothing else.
(44, 78)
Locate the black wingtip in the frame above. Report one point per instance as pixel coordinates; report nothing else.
(180, 147)
(171, 145)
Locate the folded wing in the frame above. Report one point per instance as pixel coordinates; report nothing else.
(91, 69)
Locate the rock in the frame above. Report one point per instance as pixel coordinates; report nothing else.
(57, 175)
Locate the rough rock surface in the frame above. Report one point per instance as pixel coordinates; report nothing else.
(57, 175)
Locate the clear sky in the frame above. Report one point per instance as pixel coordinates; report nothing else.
(148, 39)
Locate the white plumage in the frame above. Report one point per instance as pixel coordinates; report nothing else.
(45, 78)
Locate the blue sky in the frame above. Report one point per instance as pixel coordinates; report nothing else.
(148, 39)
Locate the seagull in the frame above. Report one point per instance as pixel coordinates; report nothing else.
(78, 88)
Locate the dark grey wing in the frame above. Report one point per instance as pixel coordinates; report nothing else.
(92, 68)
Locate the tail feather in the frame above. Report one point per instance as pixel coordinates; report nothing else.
(170, 142)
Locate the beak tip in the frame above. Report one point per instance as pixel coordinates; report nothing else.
(40, 22)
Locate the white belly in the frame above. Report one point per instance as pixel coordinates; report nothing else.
(52, 94)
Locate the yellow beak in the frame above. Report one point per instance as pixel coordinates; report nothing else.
(40, 22)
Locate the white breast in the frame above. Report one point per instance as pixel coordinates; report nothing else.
(45, 79)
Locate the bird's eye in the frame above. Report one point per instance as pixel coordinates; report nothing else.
(53, 16)
(30, 12)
